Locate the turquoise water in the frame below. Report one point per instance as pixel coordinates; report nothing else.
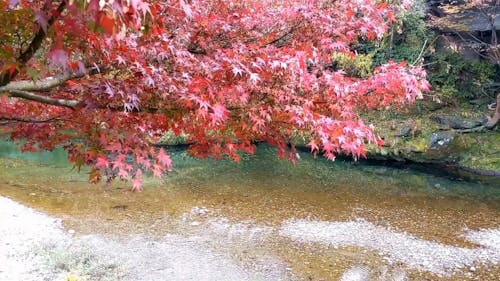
(58, 157)
(310, 173)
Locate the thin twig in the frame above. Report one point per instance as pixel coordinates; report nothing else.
(421, 53)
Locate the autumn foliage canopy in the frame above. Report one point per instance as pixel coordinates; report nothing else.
(105, 79)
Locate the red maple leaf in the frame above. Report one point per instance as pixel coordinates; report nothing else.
(225, 73)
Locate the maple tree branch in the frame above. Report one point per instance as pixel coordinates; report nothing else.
(282, 37)
(73, 104)
(7, 120)
(35, 44)
(43, 99)
(22, 89)
(40, 35)
(49, 82)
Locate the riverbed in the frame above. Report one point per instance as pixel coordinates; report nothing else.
(262, 219)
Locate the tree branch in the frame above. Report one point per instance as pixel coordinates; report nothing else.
(47, 83)
(280, 41)
(43, 99)
(6, 120)
(495, 117)
(35, 44)
(73, 104)
(42, 85)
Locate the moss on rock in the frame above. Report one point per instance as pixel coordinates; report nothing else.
(478, 150)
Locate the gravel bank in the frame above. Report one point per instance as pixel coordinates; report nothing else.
(34, 246)
(24, 233)
(398, 246)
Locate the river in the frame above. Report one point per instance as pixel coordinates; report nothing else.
(318, 220)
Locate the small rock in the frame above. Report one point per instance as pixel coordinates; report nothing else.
(413, 149)
(356, 273)
(458, 123)
(405, 131)
(439, 140)
(71, 231)
(195, 223)
(472, 269)
(399, 275)
(199, 211)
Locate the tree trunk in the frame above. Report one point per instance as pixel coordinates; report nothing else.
(493, 120)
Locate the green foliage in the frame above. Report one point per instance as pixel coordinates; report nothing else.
(355, 66)
(449, 73)
(79, 264)
(169, 138)
(481, 151)
(407, 40)
(16, 27)
(452, 75)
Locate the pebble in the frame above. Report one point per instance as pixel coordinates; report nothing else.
(71, 231)
(356, 273)
(199, 211)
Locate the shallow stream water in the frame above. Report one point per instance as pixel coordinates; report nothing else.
(267, 214)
